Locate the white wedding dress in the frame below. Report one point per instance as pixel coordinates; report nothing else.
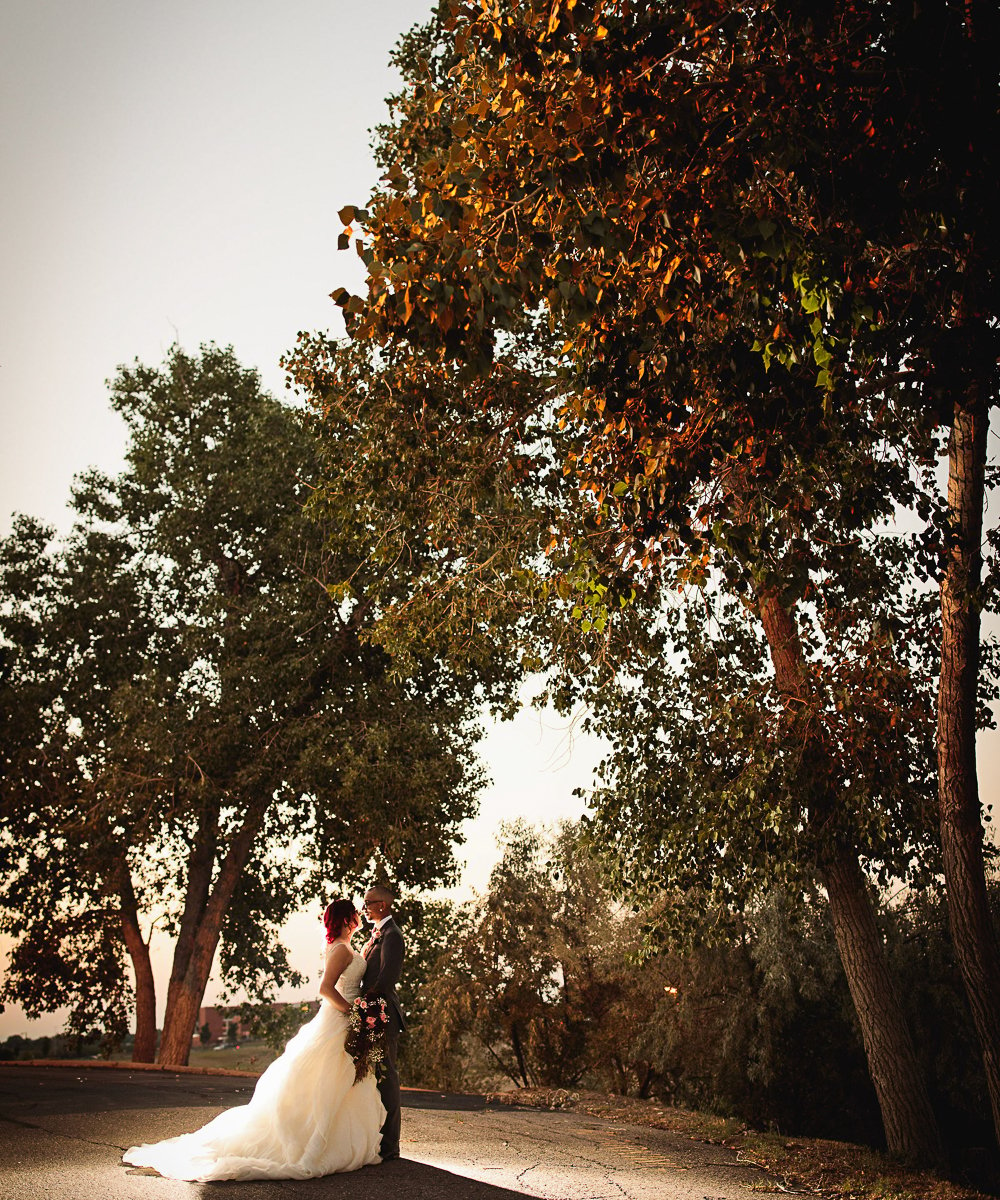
(307, 1116)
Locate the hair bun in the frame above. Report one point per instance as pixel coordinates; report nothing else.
(337, 916)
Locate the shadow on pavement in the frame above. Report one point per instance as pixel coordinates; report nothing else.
(28, 1092)
(48, 1091)
(414, 1180)
(450, 1101)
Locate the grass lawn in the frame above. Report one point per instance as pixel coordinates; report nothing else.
(248, 1056)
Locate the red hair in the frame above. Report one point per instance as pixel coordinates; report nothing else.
(336, 918)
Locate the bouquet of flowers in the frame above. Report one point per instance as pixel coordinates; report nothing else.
(367, 1027)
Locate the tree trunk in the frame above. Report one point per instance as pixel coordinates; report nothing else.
(201, 861)
(144, 1049)
(181, 1019)
(515, 1038)
(972, 929)
(910, 1125)
(911, 1129)
(189, 976)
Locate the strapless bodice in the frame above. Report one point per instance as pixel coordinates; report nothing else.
(349, 983)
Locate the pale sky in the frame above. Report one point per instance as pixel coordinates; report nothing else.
(172, 170)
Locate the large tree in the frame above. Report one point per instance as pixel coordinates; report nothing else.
(200, 738)
(756, 239)
(532, 969)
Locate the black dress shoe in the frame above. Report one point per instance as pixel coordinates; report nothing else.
(393, 1154)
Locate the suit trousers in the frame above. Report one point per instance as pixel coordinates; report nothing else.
(388, 1089)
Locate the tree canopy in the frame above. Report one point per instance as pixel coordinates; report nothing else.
(201, 740)
(765, 270)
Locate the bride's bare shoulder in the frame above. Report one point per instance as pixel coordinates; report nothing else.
(338, 954)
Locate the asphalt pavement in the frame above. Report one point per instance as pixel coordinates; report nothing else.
(63, 1131)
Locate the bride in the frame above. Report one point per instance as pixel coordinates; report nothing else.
(307, 1116)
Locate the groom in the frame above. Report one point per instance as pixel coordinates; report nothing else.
(384, 954)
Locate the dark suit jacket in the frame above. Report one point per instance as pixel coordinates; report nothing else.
(384, 965)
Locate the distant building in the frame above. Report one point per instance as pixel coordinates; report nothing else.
(218, 1024)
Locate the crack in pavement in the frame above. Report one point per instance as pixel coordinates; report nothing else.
(651, 1156)
(520, 1175)
(607, 1180)
(613, 1183)
(68, 1137)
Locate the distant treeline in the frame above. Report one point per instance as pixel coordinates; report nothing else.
(19, 1049)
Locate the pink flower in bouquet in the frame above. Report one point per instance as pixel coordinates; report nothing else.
(368, 1026)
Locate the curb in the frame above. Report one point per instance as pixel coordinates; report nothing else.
(87, 1064)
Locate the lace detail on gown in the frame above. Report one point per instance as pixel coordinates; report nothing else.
(307, 1117)
(349, 983)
